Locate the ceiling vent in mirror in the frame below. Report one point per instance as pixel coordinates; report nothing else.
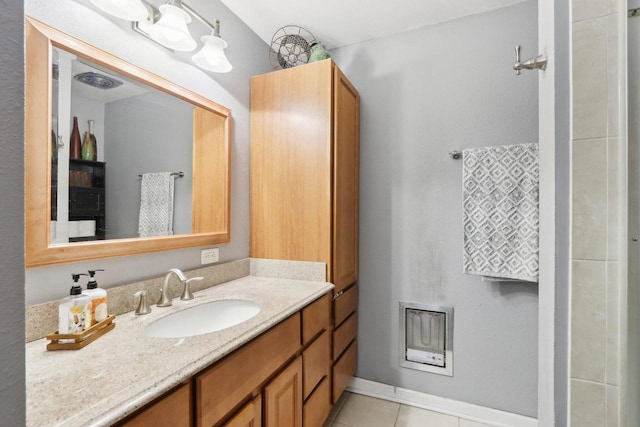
(97, 80)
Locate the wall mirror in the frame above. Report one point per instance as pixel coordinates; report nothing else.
(89, 208)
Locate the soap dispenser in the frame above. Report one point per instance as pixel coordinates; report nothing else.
(98, 298)
(74, 312)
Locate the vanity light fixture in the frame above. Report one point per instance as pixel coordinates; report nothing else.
(168, 27)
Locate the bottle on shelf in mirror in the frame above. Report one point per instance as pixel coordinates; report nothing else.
(75, 151)
(87, 147)
(94, 142)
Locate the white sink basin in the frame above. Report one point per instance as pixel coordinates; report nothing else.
(202, 319)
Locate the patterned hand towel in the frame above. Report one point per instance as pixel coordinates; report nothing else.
(156, 205)
(500, 210)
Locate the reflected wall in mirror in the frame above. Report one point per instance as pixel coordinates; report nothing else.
(80, 209)
(140, 130)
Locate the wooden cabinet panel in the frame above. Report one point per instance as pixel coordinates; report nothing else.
(211, 161)
(172, 410)
(344, 369)
(345, 182)
(344, 334)
(316, 409)
(344, 305)
(304, 168)
(283, 398)
(249, 416)
(315, 318)
(316, 362)
(291, 164)
(221, 388)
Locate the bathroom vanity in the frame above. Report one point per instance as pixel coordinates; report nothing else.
(274, 367)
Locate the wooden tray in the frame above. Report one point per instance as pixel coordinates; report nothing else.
(82, 339)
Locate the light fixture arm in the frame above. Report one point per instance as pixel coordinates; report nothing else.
(215, 29)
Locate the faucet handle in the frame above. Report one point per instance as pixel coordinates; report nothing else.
(186, 293)
(143, 305)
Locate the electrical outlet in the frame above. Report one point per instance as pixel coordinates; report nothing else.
(209, 256)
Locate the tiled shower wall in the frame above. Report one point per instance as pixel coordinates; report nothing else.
(596, 198)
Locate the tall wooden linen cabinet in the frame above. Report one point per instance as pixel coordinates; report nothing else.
(304, 186)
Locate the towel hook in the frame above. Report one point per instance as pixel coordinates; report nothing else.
(539, 62)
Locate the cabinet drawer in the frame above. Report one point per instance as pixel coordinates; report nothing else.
(345, 304)
(221, 388)
(249, 416)
(316, 362)
(173, 409)
(316, 317)
(317, 407)
(344, 334)
(344, 369)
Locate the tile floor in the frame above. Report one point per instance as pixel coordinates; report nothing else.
(355, 410)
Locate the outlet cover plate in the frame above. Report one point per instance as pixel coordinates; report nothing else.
(209, 256)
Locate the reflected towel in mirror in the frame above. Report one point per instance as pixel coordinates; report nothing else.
(156, 205)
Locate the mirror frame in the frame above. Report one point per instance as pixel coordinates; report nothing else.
(211, 159)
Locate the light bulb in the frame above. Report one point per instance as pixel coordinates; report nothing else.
(171, 29)
(211, 57)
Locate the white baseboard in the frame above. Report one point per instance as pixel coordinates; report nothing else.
(456, 408)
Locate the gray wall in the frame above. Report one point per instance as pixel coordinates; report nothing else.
(249, 56)
(425, 93)
(133, 147)
(12, 402)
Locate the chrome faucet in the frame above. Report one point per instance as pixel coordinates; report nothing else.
(164, 300)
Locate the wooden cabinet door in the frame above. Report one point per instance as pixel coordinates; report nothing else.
(291, 164)
(283, 398)
(345, 182)
(249, 416)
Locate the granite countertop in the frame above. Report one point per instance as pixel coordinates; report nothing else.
(123, 370)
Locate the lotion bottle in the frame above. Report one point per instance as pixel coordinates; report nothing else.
(98, 298)
(74, 312)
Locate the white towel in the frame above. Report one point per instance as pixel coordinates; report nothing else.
(500, 210)
(156, 205)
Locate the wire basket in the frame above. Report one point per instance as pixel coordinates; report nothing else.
(290, 46)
